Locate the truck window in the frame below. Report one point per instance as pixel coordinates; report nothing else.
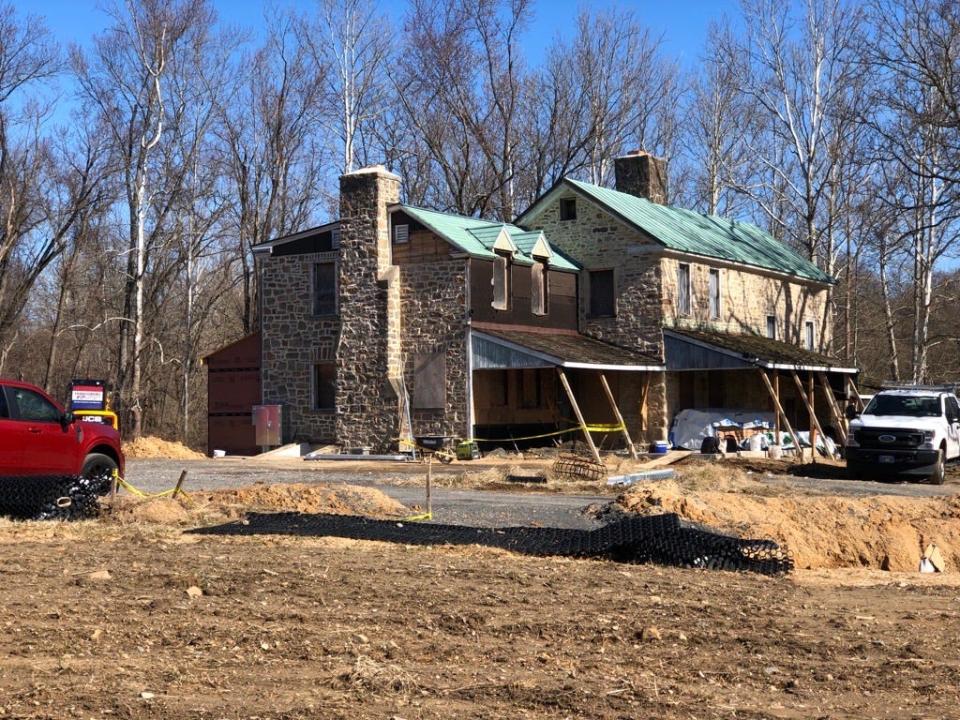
(953, 408)
(31, 406)
(3, 404)
(904, 405)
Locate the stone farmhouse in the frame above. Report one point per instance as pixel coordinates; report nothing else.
(596, 306)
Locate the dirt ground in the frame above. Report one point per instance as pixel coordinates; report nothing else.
(141, 621)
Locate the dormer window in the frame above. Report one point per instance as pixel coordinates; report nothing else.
(501, 281)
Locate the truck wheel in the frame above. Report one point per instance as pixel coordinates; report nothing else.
(940, 472)
(98, 470)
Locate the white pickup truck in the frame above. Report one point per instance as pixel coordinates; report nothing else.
(910, 432)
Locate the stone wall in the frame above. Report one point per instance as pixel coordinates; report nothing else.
(368, 409)
(598, 241)
(294, 340)
(746, 298)
(434, 308)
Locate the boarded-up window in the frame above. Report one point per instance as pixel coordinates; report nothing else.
(325, 288)
(683, 289)
(324, 386)
(501, 282)
(714, 294)
(809, 335)
(429, 382)
(601, 293)
(539, 288)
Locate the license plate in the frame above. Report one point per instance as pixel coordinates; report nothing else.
(886, 459)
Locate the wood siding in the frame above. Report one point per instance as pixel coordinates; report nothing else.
(561, 303)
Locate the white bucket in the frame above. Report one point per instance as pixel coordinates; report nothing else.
(775, 452)
(219, 453)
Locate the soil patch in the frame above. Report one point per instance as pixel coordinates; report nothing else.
(223, 505)
(819, 531)
(157, 448)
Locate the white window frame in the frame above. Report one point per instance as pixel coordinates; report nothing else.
(809, 335)
(768, 319)
(715, 272)
(688, 311)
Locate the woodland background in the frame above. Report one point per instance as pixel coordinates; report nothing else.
(126, 228)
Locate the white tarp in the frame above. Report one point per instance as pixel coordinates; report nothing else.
(690, 427)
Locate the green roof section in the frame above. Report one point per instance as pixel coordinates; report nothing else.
(687, 231)
(476, 237)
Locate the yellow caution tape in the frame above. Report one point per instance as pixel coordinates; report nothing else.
(133, 490)
(588, 428)
(414, 518)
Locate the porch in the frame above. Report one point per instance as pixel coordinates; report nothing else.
(530, 387)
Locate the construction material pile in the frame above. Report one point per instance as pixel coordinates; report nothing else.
(820, 530)
(660, 539)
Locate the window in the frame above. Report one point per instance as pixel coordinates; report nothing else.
(3, 404)
(325, 288)
(714, 294)
(335, 238)
(772, 327)
(401, 234)
(953, 409)
(568, 208)
(683, 289)
(324, 386)
(602, 300)
(808, 335)
(501, 282)
(31, 406)
(539, 288)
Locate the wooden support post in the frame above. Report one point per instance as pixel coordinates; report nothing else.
(429, 486)
(576, 411)
(776, 402)
(838, 416)
(776, 405)
(179, 487)
(644, 426)
(808, 400)
(815, 428)
(616, 413)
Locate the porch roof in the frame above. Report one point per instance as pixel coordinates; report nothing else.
(706, 350)
(502, 348)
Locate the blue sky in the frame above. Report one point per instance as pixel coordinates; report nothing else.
(682, 23)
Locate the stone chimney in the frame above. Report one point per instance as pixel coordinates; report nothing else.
(368, 350)
(640, 173)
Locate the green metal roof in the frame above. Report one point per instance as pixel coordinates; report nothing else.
(687, 231)
(476, 237)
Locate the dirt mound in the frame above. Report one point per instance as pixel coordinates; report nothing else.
(152, 448)
(820, 531)
(222, 505)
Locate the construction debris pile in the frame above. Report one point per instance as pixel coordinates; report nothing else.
(660, 539)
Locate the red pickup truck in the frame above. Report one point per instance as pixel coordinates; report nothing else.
(38, 438)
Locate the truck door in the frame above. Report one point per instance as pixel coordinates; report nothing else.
(953, 432)
(12, 439)
(50, 447)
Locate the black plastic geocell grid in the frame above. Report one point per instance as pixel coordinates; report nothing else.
(659, 539)
(42, 497)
